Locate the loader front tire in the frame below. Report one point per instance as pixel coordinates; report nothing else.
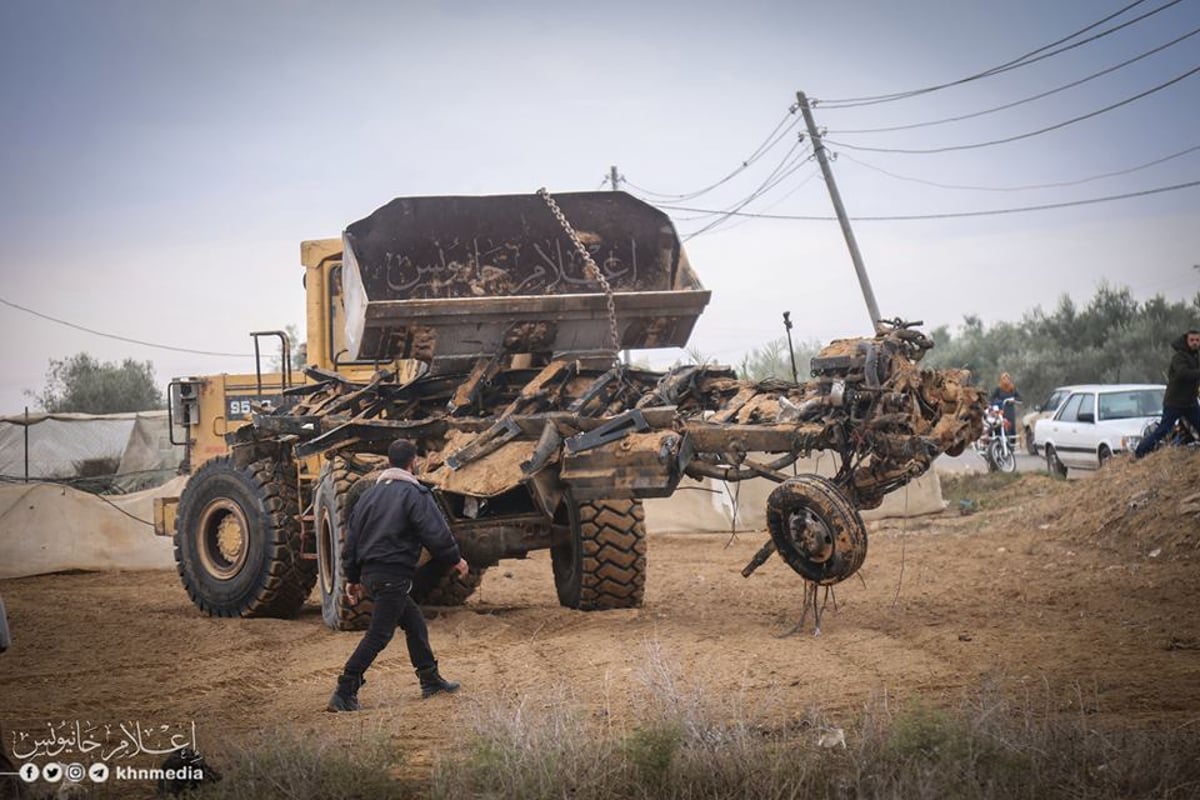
(602, 563)
(237, 540)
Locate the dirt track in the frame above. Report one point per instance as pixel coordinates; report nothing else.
(1047, 591)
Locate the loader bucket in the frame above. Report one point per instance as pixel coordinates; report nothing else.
(448, 280)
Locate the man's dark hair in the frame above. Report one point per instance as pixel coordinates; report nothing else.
(1193, 332)
(401, 453)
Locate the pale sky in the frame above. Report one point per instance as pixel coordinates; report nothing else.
(162, 159)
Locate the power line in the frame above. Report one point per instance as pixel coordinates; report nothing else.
(121, 338)
(1056, 185)
(773, 138)
(949, 215)
(1028, 135)
(1031, 57)
(1023, 101)
(781, 171)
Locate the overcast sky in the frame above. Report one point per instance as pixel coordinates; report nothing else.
(162, 159)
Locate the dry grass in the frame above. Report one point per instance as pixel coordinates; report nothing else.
(692, 744)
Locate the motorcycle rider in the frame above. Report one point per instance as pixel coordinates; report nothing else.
(1007, 390)
(1183, 382)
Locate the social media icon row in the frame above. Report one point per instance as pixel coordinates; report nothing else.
(72, 773)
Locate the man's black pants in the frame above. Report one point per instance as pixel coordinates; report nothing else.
(1171, 415)
(393, 607)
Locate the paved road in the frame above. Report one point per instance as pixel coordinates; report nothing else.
(970, 461)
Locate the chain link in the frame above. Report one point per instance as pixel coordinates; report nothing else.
(592, 270)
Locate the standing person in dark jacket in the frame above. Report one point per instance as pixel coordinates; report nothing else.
(1183, 381)
(390, 523)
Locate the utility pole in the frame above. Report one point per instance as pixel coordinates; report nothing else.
(614, 179)
(819, 149)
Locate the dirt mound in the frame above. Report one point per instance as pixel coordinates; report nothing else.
(1133, 506)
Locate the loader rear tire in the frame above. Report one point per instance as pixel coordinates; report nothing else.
(338, 488)
(237, 540)
(602, 564)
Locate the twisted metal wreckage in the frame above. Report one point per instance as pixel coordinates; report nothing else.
(535, 436)
(629, 432)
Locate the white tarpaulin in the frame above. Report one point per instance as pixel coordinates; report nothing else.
(59, 443)
(711, 505)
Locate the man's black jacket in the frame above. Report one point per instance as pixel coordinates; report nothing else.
(1183, 376)
(389, 524)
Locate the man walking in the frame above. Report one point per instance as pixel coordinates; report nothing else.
(390, 523)
(1183, 381)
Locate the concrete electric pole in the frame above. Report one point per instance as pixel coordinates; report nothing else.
(819, 150)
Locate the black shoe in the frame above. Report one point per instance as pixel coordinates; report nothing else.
(345, 697)
(432, 682)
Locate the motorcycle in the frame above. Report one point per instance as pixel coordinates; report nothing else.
(1182, 435)
(997, 445)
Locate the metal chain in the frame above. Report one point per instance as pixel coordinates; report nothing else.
(593, 271)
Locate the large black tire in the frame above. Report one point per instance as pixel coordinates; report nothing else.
(437, 585)
(602, 564)
(237, 540)
(816, 530)
(338, 488)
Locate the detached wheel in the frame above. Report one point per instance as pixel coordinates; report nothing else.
(602, 562)
(237, 540)
(1056, 468)
(816, 530)
(338, 488)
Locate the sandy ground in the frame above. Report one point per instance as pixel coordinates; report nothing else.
(1088, 592)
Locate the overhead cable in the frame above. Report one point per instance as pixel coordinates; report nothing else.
(1016, 103)
(1018, 137)
(1031, 57)
(121, 338)
(773, 138)
(1055, 185)
(948, 215)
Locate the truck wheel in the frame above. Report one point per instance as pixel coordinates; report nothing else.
(816, 530)
(237, 540)
(602, 564)
(433, 587)
(338, 488)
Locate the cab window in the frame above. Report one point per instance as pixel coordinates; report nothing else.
(1070, 410)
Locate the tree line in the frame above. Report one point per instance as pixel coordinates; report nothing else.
(1112, 339)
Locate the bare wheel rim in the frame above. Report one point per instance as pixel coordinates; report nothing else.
(223, 538)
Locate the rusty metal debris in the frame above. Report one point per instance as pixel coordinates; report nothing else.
(626, 432)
